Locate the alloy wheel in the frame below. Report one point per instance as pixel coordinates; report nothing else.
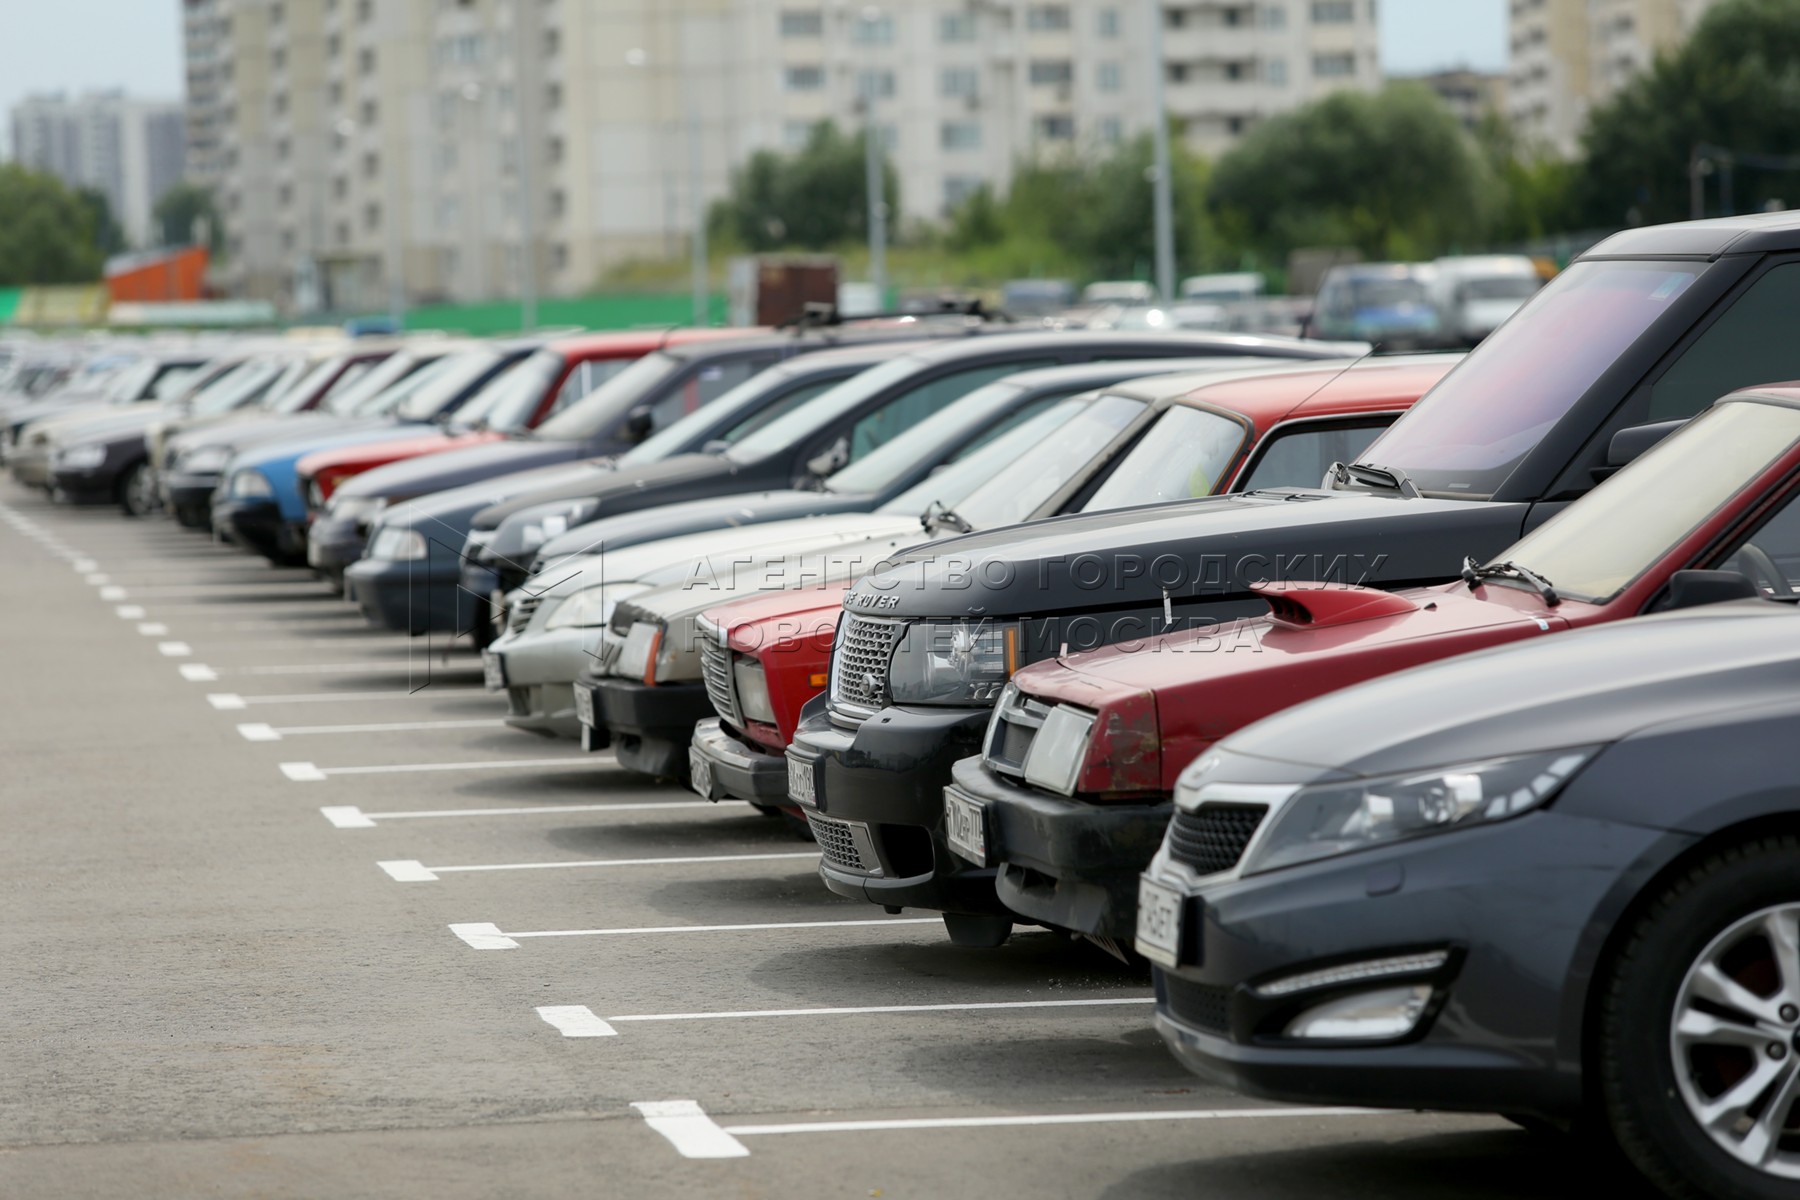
(1735, 1037)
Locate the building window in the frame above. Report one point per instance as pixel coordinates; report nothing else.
(284, 195)
(334, 46)
(1109, 77)
(1334, 66)
(553, 96)
(281, 104)
(1109, 23)
(802, 23)
(365, 11)
(804, 79)
(878, 32)
(371, 217)
(559, 257)
(365, 62)
(281, 149)
(959, 81)
(343, 233)
(558, 202)
(956, 27)
(340, 188)
(371, 165)
(1053, 72)
(1274, 16)
(446, 156)
(1275, 72)
(278, 57)
(1333, 12)
(795, 135)
(1112, 130)
(960, 135)
(875, 85)
(1054, 128)
(1047, 18)
(277, 13)
(957, 190)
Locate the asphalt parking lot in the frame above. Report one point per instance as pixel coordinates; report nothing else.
(291, 913)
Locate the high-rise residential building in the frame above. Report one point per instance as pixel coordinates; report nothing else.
(1569, 55)
(1473, 96)
(131, 151)
(468, 149)
(205, 35)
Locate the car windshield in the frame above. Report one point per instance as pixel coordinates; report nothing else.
(290, 399)
(1016, 491)
(241, 384)
(1469, 432)
(778, 435)
(601, 408)
(130, 383)
(1387, 293)
(422, 396)
(1500, 287)
(882, 467)
(735, 408)
(1183, 456)
(517, 394)
(366, 389)
(494, 392)
(951, 486)
(1625, 526)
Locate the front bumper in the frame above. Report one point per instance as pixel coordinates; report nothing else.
(190, 497)
(258, 525)
(96, 486)
(738, 769)
(541, 668)
(1517, 904)
(410, 597)
(332, 544)
(30, 466)
(651, 725)
(878, 790)
(1060, 861)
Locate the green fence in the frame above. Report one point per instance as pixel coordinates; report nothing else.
(586, 312)
(9, 303)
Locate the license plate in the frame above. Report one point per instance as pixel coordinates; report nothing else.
(700, 773)
(965, 827)
(584, 705)
(800, 783)
(493, 671)
(1159, 922)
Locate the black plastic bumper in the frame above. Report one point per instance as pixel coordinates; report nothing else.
(259, 526)
(738, 769)
(651, 725)
(889, 774)
(190, 498)
(98, 486)
(333, 544)
(416, 600)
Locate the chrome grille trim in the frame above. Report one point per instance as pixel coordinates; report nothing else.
(863, 649)
(523, 611)
(846, 845)
(716, 673)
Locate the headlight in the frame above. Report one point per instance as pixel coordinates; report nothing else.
(1060, 747)
(591, 607)
(1337, 818)
(540, 525)
(81, 458)
(478, 540)
(249, 485)
(361, 509)
(206, 460)
(953, 663)
(315, 494)
(397, 545)
(637, 660)
(753, 691)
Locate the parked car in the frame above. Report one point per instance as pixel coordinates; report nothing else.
(1649, 328)
(1235, 287)
(1389, 304)
(1557, 881)
(159, 374)
(1295, 414)
(1118, 291)
(1477, 292)
(1071, 794)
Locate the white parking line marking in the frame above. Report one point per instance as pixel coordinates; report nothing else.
(313, 774)
(375, 667)
(576, 1021)
(114, 593)
(880, 1009)
(228, 701)
(174, 649)
(130, 612)
(153, 629)
(98, 579)
(489, 937)
(84, 565)
(397, 727)
(341, 814)
(412, 871)
(1105, 1118)
(198, 673)
(258, 733)
(687, 1127)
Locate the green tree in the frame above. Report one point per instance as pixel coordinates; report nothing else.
(180, 211)
(813, 200)
(109, 239)
(1734, 85)
(1391, 173)
(47, 233)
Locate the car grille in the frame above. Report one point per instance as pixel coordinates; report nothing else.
(1016, 722)
(523, 611)
(606, 654)
(1202, 1006)
(859, 662)
(839, 844)
(715, 669)
(1212, 838)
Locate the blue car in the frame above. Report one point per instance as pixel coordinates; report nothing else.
(1388, 304)
(260, 506)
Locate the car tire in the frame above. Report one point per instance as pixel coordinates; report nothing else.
(982, 931)
(137, 491)
(1667, 1050)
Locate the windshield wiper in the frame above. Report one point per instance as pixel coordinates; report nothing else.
(1391, 478)
(1473, 575)
(937, 514)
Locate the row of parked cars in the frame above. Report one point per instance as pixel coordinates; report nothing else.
(1265, 662)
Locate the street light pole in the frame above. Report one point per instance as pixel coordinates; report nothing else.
(875, 164)
(702, 272)
(1162, 188)
(525, 92)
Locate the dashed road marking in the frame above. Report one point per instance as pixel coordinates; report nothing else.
(412, 871)
(483, 936)
(687, 1127)
(395, 727)
(174, 649)
(575, 1021)
(198, 673)
(348, 816)
(308, 773)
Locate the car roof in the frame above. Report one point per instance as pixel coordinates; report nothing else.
(1754, 233)
(1269, 395)
(638, 341)
(1146, 373)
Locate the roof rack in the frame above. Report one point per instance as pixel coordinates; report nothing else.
(818, 314)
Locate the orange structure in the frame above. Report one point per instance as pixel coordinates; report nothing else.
(158, 276)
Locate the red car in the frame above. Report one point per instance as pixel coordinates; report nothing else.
(787, 636)
(1070, 798)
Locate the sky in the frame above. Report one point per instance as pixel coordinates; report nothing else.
(77, 45)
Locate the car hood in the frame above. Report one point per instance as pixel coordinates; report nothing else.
(1218, 546)
(239, 430)
(458, 468)
(693, 516)
(79, 426)
(296, 444)
(777, 620)
(457, 505)
(1589, 687)
(602, 480)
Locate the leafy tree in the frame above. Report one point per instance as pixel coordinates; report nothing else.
(179, 210)
(1734, 85)
(814, 200)
(1391, 173)
(108, 237)
(47, 233)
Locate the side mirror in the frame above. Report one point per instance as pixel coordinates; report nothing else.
(831, 460)
(716, 446)
(1691, 589)
(638, 424)
(1630, 444)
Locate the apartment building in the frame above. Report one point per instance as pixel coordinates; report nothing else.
(129, 150)
(1569, 55)
(469, 149)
